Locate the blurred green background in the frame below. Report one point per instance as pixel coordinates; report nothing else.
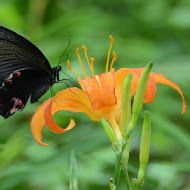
(144, 31)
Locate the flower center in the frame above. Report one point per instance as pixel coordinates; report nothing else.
(99, 88)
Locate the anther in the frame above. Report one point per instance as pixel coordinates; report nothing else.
(114, 56)
(92, 59)
(111, 39)
(69, 65)
(84, 48)
(92, 65)
(81, 64)
(77, 50)
(71, 69)
(113, 60)
(87, 59)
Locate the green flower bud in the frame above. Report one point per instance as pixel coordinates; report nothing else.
(109, 131)
(126, 104)
(144, 147)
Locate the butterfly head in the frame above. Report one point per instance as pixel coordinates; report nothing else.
(57, 69)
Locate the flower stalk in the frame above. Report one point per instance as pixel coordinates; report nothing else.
(125, 159)
(117, 170)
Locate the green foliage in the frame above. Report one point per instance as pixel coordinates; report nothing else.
(144, 31)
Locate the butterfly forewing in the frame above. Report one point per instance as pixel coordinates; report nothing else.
(17, 49)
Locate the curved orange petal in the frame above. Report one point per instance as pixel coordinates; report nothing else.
(159, 78)
(51, 123)
(72, 99)
(38, 122)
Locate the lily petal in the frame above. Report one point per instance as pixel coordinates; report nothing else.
(120, 76)
(100, 89)
(151, 89)
(159, 78)
(73, 99)
(151, 85)
(51, 123)
(38, 122)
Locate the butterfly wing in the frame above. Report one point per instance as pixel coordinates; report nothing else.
(24, 72)
(18, 53)
(16, 91)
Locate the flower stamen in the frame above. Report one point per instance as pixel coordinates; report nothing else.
(81, 64)
(71, 69)
(114, 59)
(109, 51)
(92, 65)
(87, 59)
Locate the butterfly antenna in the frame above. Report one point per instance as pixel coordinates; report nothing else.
(60, 59)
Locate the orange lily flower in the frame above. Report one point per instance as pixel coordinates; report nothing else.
(100, 96)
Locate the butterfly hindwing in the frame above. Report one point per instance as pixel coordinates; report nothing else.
(15, 91)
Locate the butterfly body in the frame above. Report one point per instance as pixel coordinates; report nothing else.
(24, 72)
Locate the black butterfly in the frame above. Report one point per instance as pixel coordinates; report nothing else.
(24, 72)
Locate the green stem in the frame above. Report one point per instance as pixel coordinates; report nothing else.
(137, 186)
(117, 169)
(127, 179)
(125, 159)
(122, 157)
